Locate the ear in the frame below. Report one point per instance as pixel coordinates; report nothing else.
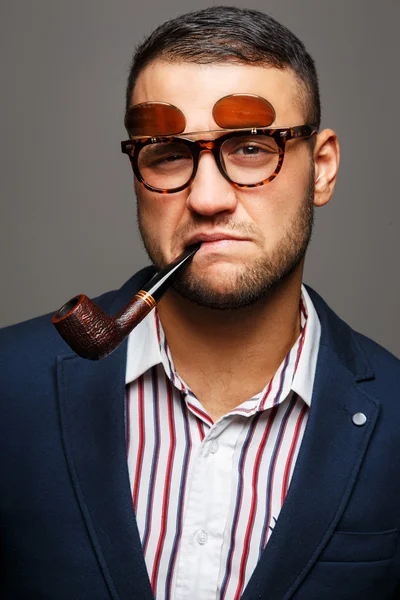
(326, 158)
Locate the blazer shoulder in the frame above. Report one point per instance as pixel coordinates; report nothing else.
(382, 360)
(375, 368)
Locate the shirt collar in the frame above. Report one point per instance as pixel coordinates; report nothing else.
(303, 381)
(144, 350)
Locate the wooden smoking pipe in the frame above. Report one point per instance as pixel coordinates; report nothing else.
(92, 334)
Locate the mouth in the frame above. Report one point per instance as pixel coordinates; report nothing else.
(215, 242)
(213, 238)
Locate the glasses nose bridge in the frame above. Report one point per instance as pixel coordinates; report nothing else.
(206, 144)
(210, 146)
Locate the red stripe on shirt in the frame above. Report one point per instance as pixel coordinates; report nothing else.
(254, 498)
(266, 395)
(200, 413)
(167, 488)
(139, 460)
(301, 345)
(128, 420)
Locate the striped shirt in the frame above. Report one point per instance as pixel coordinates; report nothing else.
(207, 495)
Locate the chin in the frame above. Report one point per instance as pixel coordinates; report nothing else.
(223, 291)
(218, 274)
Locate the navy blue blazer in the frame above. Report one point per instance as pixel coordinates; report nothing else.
(68, 529)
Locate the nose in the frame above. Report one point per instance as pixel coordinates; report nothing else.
(210, 193)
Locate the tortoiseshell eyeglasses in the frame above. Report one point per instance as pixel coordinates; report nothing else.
(247, 157)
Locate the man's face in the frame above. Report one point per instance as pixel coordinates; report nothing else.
(267, 229)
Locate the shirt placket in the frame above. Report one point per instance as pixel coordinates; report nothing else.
(207, 506)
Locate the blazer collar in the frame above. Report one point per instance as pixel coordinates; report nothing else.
(340, 338)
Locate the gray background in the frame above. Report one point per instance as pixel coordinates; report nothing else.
(68, 217)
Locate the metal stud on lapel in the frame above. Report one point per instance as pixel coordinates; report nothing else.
(359, 419)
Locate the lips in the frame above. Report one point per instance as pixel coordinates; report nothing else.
(213, 237)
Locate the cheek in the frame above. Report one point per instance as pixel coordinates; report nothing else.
(297, 171)
(274, 208)
(290, 189)
(269, 207)
(159, 214)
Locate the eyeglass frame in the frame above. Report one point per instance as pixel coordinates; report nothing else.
(280, 135)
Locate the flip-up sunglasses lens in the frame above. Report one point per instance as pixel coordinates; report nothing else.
(154, 119)
(239, 111)
(236, 111)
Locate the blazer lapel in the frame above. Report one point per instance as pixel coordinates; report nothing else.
(92, 409)
(329, 460)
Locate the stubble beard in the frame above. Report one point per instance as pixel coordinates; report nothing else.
(253, 281)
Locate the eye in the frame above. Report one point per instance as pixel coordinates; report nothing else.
(164, 155)
(250, 147)
(249, 150)
(169, 158)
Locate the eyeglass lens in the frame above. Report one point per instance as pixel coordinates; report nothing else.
(246, 160)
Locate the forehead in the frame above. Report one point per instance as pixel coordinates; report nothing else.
(194, 89)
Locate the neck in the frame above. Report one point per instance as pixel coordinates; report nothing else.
(236, 350)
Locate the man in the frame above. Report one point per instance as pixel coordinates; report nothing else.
(243, 441)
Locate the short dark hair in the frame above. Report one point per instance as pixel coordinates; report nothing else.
(227, 34)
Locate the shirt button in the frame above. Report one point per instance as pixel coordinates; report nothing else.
(202, 537)
(214, 447)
